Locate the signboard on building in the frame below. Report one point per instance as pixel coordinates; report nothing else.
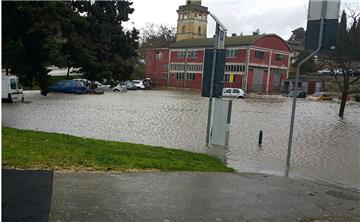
(329, 10)
(219, 73)
(221, 39)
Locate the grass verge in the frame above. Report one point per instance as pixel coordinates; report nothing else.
(26, 149)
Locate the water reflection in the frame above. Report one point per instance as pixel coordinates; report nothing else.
(325, 147)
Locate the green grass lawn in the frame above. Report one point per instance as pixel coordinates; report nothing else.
(26, 149)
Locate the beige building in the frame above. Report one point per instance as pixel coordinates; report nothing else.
(192, 21)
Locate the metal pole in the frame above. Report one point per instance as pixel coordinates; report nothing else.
(296, 90)
(212, 86)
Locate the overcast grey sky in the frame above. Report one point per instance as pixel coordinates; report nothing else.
(270, 16)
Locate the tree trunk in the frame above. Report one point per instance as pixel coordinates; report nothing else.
(68, 73)
(343, 103)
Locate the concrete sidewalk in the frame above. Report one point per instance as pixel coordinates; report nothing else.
(183, 196)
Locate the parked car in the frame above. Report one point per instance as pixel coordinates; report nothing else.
(300, 93)
(130, 85)
(12, 89)
(92, 87)
(233, 92)
(102, 86)
(139, 84)
(120, 88)
(69, 86)
(320, 96)
(147, 83)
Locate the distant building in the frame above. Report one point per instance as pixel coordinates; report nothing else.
(296, 48)
(258, 63)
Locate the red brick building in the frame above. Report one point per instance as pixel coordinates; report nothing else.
(258, 63)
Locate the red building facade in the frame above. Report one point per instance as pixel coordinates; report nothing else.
(257, 63)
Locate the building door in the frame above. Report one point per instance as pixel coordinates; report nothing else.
(257, 80)
(276, 82)
(311, 87)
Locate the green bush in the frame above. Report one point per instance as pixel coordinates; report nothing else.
(357, 98)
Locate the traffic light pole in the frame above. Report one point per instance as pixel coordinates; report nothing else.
(296, 90)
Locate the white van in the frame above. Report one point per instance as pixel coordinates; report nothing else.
(12, 90)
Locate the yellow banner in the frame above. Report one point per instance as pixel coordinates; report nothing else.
(231, 78)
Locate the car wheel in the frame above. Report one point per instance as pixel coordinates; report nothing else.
(116, 90)
(240, 97)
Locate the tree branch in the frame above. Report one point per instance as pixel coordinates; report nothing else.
(355, 80)
(354, 91)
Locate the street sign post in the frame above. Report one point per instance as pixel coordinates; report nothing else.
(219, 43)
(317, 9)
(329, 11)
(218, 78)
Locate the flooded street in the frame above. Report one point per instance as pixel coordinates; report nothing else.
(325, 147)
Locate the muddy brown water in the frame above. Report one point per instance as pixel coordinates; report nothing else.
(325, 148)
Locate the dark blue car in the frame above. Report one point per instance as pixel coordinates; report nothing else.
(68, 86)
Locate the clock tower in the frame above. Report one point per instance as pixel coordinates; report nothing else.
(192, 21)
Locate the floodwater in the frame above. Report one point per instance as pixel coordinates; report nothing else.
(325, 147)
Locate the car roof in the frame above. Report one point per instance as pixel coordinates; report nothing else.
(232, 88)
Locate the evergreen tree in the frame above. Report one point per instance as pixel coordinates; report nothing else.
(85, 34)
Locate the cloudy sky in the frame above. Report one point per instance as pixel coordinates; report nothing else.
(270, 16)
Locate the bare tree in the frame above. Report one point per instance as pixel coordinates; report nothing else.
(156, 36)
(346, 57)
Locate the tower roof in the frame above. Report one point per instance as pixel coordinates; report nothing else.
(193, 4)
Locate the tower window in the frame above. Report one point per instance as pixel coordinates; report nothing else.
(183, 29)
(195, 15)
(199, 30)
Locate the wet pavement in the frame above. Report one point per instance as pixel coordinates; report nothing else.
(326, 147)
(187, 196)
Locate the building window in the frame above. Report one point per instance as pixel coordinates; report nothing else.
(279, 57)
(183, 29)
(165, 67)
(180, 54)
(177, 67)
(230, 53)
(180, 76)
(159, 55)
(259, 54)
(192, 54)
(192, 67)
(227, 78)
(165, 75)
(234, 68)
(199, 30)
(185, 15)
(190, 76)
